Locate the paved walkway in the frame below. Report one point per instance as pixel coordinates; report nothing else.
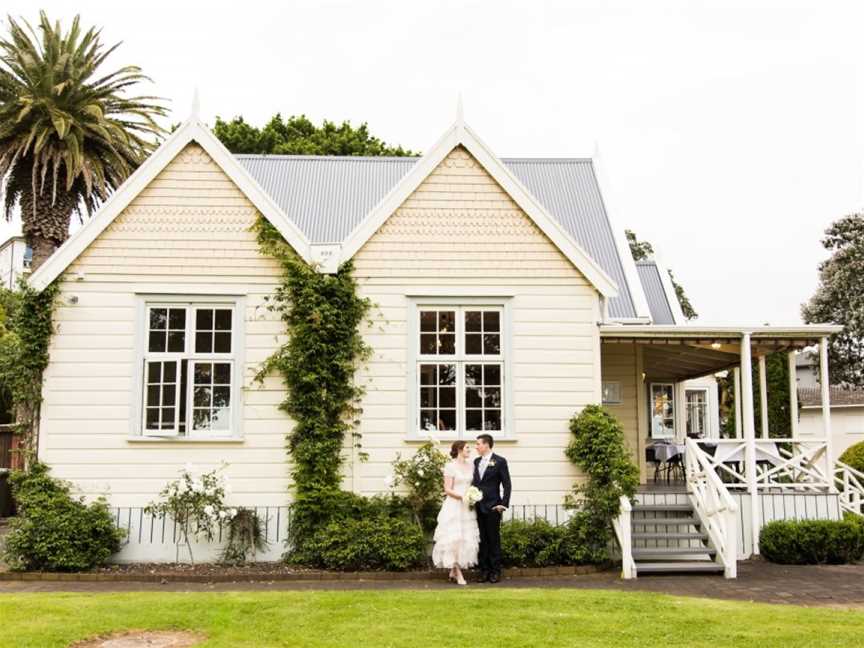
(841, 586)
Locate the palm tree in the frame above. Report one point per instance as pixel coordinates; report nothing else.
(69, 134)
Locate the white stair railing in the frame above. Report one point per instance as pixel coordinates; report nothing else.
(623, 531)
(850, 487)
(714, 506)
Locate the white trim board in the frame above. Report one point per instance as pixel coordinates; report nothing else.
(191, 130)
(460, 134)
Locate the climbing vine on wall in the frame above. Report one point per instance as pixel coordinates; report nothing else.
(322, 314)
(28, 323)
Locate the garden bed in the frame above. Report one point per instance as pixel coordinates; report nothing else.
(215, 573)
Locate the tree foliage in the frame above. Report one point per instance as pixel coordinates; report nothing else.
(69, 132)
(643, 250)
(777, 382)
(297, 135)
(839, 298)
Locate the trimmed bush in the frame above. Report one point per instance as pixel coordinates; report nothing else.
(55, 531)
(540, 544)
(854, 456)
(812, 542)
(374, 543)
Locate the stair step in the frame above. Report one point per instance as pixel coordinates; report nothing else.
(669, 536)
(663, 507)
(675, 551)
(688, 566)
(664, 521)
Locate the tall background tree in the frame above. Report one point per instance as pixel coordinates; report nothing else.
(839, 299)
(297, 135)
(643, 250)
(69, 132)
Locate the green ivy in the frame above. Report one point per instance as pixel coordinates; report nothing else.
(322, 314)
(24, 339)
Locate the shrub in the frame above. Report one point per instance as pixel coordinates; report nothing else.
(245, 535)
(379, 542)
(55, 531)
(854, 456)
(423, 476)
(812, 542)
(540, 544)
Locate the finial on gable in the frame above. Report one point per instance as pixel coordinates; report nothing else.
(196, 105)
(460, 116)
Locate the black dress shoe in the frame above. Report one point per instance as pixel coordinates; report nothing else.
(494, 578)
(483, 577)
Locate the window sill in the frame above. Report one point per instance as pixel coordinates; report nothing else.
(148, 439)
(450, 439)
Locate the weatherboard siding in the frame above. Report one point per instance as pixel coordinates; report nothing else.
(460, 233)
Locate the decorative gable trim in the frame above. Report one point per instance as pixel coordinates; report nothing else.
(192, 130)
(460, 134)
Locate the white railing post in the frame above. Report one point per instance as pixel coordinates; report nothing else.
(793, 394)
(763, 397)
(730, 563)
(749, 436)
(736, 379)
(825, 388)
(623, 529)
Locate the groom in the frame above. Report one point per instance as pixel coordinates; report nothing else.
(492, 477)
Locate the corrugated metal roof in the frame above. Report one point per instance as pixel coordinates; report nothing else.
(327, 197)
(649, 275)
(837, 395)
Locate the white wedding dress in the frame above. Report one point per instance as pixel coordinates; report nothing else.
(457, 536)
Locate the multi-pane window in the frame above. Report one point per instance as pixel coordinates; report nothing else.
(460, 370)
(188, 370)
(697, 412)
(662, 404)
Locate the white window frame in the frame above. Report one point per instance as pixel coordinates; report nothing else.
(672, 386)
(612, 392)
(415, 358)
(706, 432)
(236, 358)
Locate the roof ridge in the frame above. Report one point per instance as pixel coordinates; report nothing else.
(398, 158)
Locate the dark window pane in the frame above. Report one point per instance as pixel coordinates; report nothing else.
(203, 343)
(428, 397)
(221, 397)
(176, 341)
(201, 397)
(427, 321)
(200, 419)
(152, 418)
(167, 418)
(446, 374)
(169, 394)
(157, 342)
(222, 373)
(223, 320)
(447, 321)
(472, 397)
(204, 319)
(473, 374)
(184, 367)
(219, 419)
(428, 419)
(492, 344)
(472, 344)
(492, 374)
(153, 371)
(472, 321)
(491, 321)
(447, 397)
(492, 397)
(492, 420)
(222, 343)
(446, 419)
(177, 318)
(158, 318)
(447, 344)
(474, 419)
(427, 374)
(153, 395)
(428, 344)
(169, 373)
(203, 373)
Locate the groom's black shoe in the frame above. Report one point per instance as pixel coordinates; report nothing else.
(494, 578)
(483, 577)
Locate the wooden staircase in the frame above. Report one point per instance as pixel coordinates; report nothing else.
(667, 536)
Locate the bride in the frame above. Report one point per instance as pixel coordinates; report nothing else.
(457, 537)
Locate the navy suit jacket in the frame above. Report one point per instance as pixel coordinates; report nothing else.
(495, 483)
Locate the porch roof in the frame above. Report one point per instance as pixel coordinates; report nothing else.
(681, 352)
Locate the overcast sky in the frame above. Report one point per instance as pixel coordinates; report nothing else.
(730, 132)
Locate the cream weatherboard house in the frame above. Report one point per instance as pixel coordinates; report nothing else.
(505, 301)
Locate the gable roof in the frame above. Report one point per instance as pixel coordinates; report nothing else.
(192, 130)
(659, 292)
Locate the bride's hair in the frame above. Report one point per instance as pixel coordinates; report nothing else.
(456, 448)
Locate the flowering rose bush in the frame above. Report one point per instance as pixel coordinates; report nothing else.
(196, 502)
(423, 477)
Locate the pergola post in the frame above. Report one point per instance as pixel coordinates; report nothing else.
(825, 387)
(793, 394)
(736, 381)
(749, 436)
(763, 397)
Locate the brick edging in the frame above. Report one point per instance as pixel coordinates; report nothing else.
(107, 577)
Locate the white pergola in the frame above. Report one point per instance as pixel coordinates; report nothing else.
(680, 353)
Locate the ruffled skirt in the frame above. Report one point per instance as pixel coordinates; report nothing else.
(457, 536)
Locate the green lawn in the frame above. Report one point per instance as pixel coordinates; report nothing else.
(503, 618)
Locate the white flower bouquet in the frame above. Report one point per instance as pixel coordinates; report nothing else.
(472, 496)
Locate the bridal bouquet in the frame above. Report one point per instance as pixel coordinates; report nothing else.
(472, 496)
